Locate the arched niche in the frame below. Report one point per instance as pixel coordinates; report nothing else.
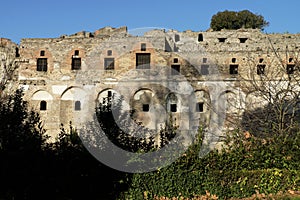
(71, 98)
(42, 95)
(73, 93)
(203, 102)
(172, 103)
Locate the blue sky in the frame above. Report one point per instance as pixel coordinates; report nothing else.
(47, 19)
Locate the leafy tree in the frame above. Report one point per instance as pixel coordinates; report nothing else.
(133, 136)
(76, 171)
(236, 20)
(20, 129)
(22, 146)
(31, 167)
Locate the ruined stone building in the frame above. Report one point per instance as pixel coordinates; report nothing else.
(190, 75)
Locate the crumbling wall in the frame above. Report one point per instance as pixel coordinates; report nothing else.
(108, 59)
(9, 63)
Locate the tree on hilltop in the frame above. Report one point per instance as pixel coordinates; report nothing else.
(236, 20)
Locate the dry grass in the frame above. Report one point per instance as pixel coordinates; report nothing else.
(290, 195)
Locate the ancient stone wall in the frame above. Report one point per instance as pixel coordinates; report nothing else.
(185, 74)
(8, 64)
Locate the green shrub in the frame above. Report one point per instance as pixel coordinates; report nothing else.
(246, 166)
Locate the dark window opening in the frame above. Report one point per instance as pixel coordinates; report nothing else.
(109, 93)
(204, 69)
(261, 69)
(233, 69)
(261, 60)
(43, 105)
(175, 69)
(204, 60)
(76, 63)
(109, 63)
(42, 53)
(17, 52)
(290, 68)
(143, 47)
(243, 40)
(41, 65)
(76, 53)
(146, 107)
(173, 107)
(175, 60)
(200, 37)
(233, 60)
(290, 60)
(109, 53)
(200, 107)
(177, 38)
(143, 61)
(222, 39)
(77, 105)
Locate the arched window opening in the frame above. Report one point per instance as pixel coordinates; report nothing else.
(172, 103)
(43, 105)
(77, 105)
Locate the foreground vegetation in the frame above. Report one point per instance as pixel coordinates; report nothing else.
(249, 166)
(33, 169)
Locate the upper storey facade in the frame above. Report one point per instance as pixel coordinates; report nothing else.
(114, 51)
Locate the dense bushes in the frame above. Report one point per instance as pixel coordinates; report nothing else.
(248, 165)
(20, 128)
(30, 168)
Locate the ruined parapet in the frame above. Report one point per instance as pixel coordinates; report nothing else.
(110, 31)
(9, 62)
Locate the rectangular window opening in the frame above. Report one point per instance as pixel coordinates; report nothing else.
(143, 47)
(109, 53)
(177, 38)
(76, 63)
(175, 60)
(109, 63)
(17, 52)
(77, 105)
(42, 64)
(109, 93)
(261, 69)
(76, 53)
(200, 107)
(233, 60)
(200, 37)
(143, 60)
(233, 69)
(204, 60)
(222, 39)
(204, 69)
(173, 107)
(290, 68)
(42, 53)
(175, 69)
(43, 105)
(146, 107)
